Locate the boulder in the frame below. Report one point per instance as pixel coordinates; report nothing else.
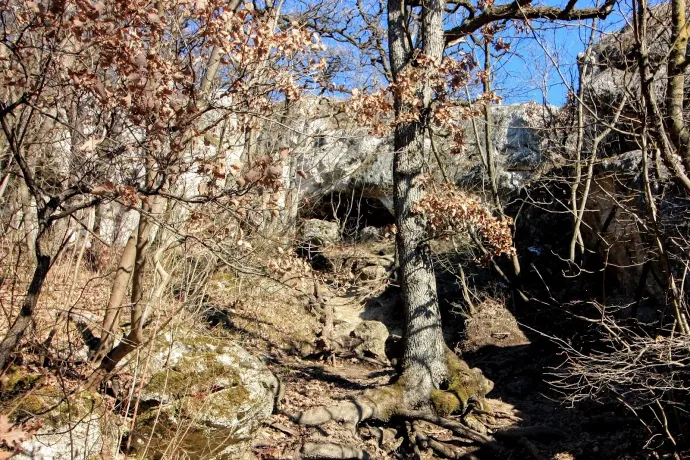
(369, 234)
(373, 272)
(493, 325)
(208, 394)
(77, 427)
(318, 233)
(370, 339)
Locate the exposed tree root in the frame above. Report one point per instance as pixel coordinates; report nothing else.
(379, 404)
(328, 451)
(456, 427)
(444, 449)
(464, 388)
(388, 402)
(412, 437)
(495, 414)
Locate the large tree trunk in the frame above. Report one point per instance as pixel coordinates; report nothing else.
(424, 365)
(675, 93)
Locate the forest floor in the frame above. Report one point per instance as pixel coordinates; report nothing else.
(492, 340)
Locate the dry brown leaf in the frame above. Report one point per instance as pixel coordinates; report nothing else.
(11, 434)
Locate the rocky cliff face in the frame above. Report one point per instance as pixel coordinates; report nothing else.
(339, 161)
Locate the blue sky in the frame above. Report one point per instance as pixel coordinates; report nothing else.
(544, 64)
(535, 69)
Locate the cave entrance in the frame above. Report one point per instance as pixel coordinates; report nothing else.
(353, 210)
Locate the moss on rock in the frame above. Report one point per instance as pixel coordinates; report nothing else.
(465, 383)
(205, 398)
(444, 402)
(17, 379)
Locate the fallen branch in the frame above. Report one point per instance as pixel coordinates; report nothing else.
(503, 415)
(282, 428)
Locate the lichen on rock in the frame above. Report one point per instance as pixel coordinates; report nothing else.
(206, 397)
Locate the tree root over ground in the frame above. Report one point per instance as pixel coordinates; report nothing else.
(326, 450)
(382, 404)
(386, 404)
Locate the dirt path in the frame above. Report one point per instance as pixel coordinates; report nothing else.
(516, 366)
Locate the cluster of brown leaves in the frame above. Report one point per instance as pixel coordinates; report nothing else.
(125, 193)
(450, 211)
(139, 65)
(287, 263)
(374, 109)
(11, 435)
(449, 108)
(265, 173)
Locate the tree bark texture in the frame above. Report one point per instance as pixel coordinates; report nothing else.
(117, 294)
(424, 364)
(25, 317)
(675, 92)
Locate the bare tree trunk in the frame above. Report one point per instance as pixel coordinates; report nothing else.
(488, 130)
(652, 113)
(25, 317)
(6, 169)
(580, 212)
(675, 92)
(145, 236)
(117, 293)
(579, 143)
(250, 140)
(136, 332)
(424, 365)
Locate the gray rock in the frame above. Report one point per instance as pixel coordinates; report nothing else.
(368, 234)
(318, 233)
(370, 339)
(347, 159)
(209, 393)
(373, 272)
(82, 429)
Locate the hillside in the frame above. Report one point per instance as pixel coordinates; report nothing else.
(292, 230)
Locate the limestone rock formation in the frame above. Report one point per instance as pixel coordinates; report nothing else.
(206, 395)
(370, 339)
(342, 160)
(205, 398)
(318, 233)
(79, 428)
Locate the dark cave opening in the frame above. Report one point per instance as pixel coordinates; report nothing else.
(352, 209)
